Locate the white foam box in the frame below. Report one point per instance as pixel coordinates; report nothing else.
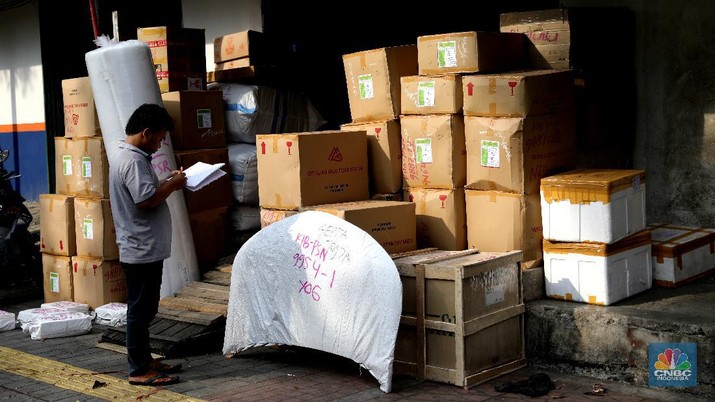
(598, 273)
(681, 254)
(593, 205)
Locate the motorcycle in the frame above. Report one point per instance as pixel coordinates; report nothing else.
(20, 257)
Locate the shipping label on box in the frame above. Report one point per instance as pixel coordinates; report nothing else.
(593, 205)
(518, 94)
(57, 235)
(200, 119)
(311, 168)
(390, 223)
(681, 254)
(441, 217)
(384, 154)
(98, 282)
(598, 273)
(513, 154)
(439, 94)
(90, 173)
(79, 110)
(373, 81)
(94, 229)
(470, 52)
(500, 221)
(57, 274)
(433, 151)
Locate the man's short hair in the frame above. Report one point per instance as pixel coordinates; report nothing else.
(151, 116)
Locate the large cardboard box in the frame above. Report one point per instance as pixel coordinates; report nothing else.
(215, 195)
(57, 226)
(463, 316)
(598, 273)
(593, 205)
(500, 221)
(435, 94)
(373, 81)
(98, 282)
(470, 52)
(384, 154)
(94, 228)
(79, 110)
(57, 274)
(209, 229)
(261, 48)
(513, 154)
(81, 167)
(549, 33)
(200, 119)
(518, 94)
(433, 151)
(311, 168)
(441, 217)
(681, 254)
(179, 56)
(390, 223)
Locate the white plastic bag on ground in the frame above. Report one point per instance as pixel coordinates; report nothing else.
(67, 306)
(244, 173)
(316, 281)
(7, 321)
(60, 325)
(112, 314)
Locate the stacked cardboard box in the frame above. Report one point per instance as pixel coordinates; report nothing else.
(179, 56)
(76, 223)
(597, 248)
(247, 56)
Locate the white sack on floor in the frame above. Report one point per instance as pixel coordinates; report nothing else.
(316, 281)
(7, 321)
(123, 78)
(245, 217)
(112, 314)
(27, 316)
(67, 306)
(59, 325)
(244, 173)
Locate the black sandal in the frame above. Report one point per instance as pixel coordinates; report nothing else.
(153, 378)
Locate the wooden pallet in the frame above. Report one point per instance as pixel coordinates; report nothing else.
(193, 321)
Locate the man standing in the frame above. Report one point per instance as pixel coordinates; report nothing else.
(143, 225)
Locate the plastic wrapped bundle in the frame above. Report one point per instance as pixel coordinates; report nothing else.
(59, 325)
(244, 173)
(67, 306)
(112, 314)
(123, 78)
(7, 321)
(27, 316)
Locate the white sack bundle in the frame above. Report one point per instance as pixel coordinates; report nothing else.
(316, 281)
(7, 321)
(27, 316)
(67, 306)
(123, 78)
(60, 325)
(244, 173)
(112, 314)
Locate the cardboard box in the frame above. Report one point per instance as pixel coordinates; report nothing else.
(262, 48)
(209, 232)
(215, 195)
(499, 221)
(91, 167)
(373, 81)
(549, 34)
(64, 166)
(470, 52)
(441, 217)
(390, 223)
(179, 56)
(384, 147)
(199, 117)
(593, 205)
(311, 168)
(98, 282)
(433, 151)
(57, 274)
(270, 216)
(94, 229)
(681, 254)
(436, 94)
(57, 234)
(79, 110)
(513, 154)
(518, 94)
(463, 316)
(598, 273)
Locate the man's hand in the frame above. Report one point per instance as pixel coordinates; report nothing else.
(177, 179)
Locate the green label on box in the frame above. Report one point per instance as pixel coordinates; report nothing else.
(490, 153)
(86, 166)
(87, 229)
(203, 118)
(425, 94)
(447, 54)
(366, 87)
(423, 150)
(54, 282)
(67, 165)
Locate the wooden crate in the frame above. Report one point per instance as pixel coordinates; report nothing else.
(463, 316)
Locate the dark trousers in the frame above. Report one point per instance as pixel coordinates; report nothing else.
(143, 292)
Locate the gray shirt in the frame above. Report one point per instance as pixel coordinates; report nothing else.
(143, 235)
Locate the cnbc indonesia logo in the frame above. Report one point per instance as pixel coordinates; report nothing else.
(672, 365)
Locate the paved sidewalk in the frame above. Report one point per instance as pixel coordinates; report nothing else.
(75, 369)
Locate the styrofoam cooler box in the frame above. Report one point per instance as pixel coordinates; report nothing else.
(681, 254)
(598, 273)
(593, 205)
